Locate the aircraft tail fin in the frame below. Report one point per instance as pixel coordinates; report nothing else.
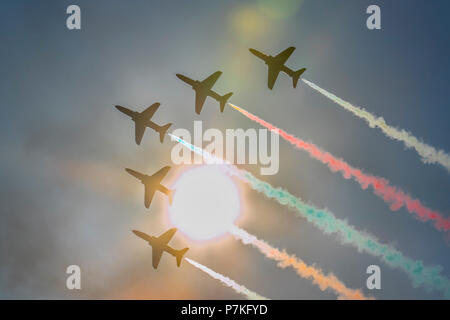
(162, 131)
(224, 99)
(296, 76)
(180, 254)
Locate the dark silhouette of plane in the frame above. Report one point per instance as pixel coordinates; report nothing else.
(203, 89)
(152, 184)
(142, 121)
(159, 245)
(276, 64)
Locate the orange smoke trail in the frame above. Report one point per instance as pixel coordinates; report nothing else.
(303, 270)
(394, 196)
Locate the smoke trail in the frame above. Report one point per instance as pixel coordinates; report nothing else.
(227, 281)
(429, 277)
(426, 276)
(394, 196)
(428, 153)
(209, 158)
(303, 270)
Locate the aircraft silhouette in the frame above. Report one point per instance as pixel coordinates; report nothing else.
(276, 64)
(203, 89)
(152, 184)
(142, 121)
(159, 245)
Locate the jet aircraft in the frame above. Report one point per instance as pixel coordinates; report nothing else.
(142, 121)
(203, 89)
(160, 244)
(276, 65)
(152, 184)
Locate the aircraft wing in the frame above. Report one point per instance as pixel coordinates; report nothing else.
(164, 239)
(185, 79)
(150, 111)
(158, 247)
(284, 55)
(161, 174)
(139, 130)
(272, 76)
(199, 102)
(127, 111)
(211, 80)
(149, 193)
(142, 235)
(136, 174)
(258, 54)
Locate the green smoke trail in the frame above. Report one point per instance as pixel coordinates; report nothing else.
(426, 276)
(429, 277)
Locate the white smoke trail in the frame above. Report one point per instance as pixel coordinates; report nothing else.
(227, 281)
(428, 153)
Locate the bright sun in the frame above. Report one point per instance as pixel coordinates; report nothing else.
(205, 204)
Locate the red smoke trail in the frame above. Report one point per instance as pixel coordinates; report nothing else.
(394, 196)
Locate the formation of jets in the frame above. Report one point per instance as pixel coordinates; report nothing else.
(160, 244)
(142, 120)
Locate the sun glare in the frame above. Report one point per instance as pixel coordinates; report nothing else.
(206, 203)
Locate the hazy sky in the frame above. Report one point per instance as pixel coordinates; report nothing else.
(67, 200)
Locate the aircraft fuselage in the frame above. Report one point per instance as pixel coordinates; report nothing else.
(274, 62)
(136, 117)
(201, 89)
(149, 123)
(153, 241)
(150, 181)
